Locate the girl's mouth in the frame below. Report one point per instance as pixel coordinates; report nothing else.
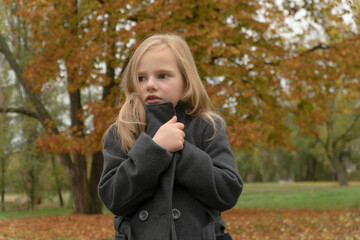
(152, 99)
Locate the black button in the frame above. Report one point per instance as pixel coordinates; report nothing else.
(143, 215)
(176, 214)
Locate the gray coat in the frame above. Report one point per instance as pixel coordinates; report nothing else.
(160, 195)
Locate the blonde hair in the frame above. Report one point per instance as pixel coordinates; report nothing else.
(131, 120)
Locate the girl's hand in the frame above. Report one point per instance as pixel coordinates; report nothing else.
(170, 135)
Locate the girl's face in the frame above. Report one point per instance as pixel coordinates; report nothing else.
(159, 77)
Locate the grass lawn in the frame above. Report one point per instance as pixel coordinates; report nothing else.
(38, 212)
(16, 207)
(305, 195)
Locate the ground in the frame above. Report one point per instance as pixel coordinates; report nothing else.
(243, 224)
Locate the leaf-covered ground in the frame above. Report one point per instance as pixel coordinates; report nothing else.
(242, 223)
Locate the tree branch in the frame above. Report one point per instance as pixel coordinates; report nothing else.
(20, 111)
(43, 114)
(348, 130)
(320, 46)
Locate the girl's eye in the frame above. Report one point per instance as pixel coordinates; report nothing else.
(163, 76)
(141, 79)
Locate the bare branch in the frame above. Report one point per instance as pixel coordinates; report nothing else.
(348, 130)
(42, 113)
(20, 111)
(320, 46)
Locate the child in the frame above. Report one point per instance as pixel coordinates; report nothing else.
(168, 169)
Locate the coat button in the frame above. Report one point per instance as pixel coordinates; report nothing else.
(143, 215)
(176, 214)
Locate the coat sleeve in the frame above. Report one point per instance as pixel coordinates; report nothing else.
(209, 172)
(128, 180)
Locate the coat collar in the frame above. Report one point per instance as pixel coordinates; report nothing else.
(158, 114)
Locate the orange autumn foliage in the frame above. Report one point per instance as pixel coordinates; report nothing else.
(241, 59)
(87, 44)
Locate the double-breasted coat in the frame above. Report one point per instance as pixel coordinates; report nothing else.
(159, 195)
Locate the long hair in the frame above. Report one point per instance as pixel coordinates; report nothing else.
(131, 119)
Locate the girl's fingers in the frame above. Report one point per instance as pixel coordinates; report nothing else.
(172, 120)
(180, 126)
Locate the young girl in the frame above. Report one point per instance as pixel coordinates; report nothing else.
(168, 169)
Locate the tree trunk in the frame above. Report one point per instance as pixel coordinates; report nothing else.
(266, 164)
(32, 187)
(83, 191)
(95, 174)
(57, 182)
(310, 167)
(76, 170)
(2, 157)
(79, 184)
(2, 183)
(339, 170)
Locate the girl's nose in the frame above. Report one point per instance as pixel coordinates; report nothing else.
(151, 84)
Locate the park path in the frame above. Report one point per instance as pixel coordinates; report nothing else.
(244, 224)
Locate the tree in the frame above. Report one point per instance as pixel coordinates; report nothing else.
(336, 134)
(85, 44)
(309, 158)
(319, 59)
(319, 71)
(31, 169)
(3, 150)
(58, 182)
(80, 189)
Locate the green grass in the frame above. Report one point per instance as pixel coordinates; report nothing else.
(312, 195)
(17, 207)
(40, 211)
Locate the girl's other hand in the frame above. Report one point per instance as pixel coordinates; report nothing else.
(170, 135)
